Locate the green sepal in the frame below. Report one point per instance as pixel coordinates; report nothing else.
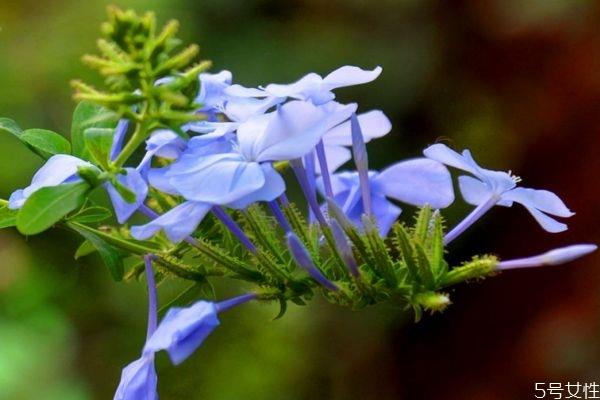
(45, 143)
(110, 255)
(48, 205)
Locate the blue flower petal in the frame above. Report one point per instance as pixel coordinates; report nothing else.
(183, 330)
(217, 179)
(374, 124)
(290, 132)
(60, 168)
(418, 182)
(177, 223)
(273, 187)
(138, 380)
(133, 181)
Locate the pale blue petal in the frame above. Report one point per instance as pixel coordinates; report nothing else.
(211, 127)
(374, 124)
(273, 187)
(240, 109)
(290, 132)
(60, 168)
(16, 200)
(301, 89)
(418, 182)
(162, 143)
(177, 223)
(543, 200)
(350, 75)
(138, 380)
(241, 91)
(183, 330)
(220, 180)
(385, 213)
(159, 179)
(445, 155)
(212, 87)
(336, 157)
(134, 182)
(474, 191)
(549, 224)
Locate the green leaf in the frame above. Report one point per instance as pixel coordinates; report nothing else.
(88, 115)
(110, 256)
(10, 126)
(84, 249)
(46, 143)
(91, 214)
(49, 205)
(98, 142)
(8, 217)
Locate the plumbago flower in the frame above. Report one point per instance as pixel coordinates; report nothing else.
(212, 195)
(487, 188)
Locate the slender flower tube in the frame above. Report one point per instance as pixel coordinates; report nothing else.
(361, 160)
(324, 168)
(138, 379)
(470, 219)
(553, 257)
(281, 220)
(310, 195)
(233, 228)
(303, 259)
(119, 137)
(344, 248)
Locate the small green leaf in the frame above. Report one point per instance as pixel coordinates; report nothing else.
(84, 249)
(91, 214)
(10, 126)
(110, 256)
(46, 143)
(98, 142)
(8, 217)
(49, 205)
(88, 115)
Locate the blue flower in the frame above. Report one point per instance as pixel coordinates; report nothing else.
(183, 330)
(487, 188)
(242, 174)
(313, 87)
(59, 169)
(418, 182)
(138, 380)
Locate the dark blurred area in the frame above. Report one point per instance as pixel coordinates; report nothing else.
(516, 82)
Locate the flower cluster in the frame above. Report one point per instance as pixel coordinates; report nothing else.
(198, 170)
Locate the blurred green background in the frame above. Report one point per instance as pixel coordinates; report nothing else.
(518, 82)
